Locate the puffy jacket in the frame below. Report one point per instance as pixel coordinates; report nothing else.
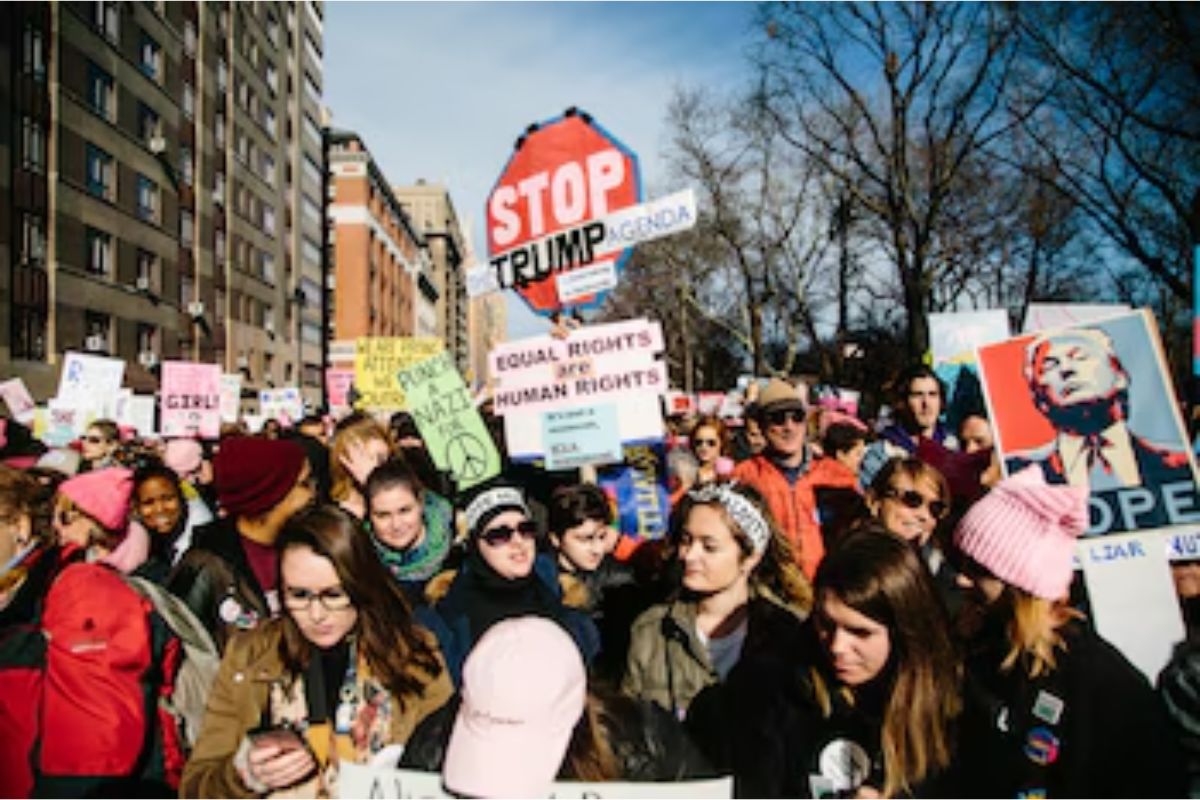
(669, 666)
(794, 506)
(241, 700)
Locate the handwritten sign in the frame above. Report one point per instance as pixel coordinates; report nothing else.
(1133, 597)
(90, 382)
(139, 414)
(377, 360)
(574, 437)
(337, 383)
(18, 399)
(231, 396)
(191, 399)
(449, 423)
(285, 404)
(357, 780)
(639, 421)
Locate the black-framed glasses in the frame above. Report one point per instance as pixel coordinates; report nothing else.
(334, 598)
(501, 534)
(795, 415)
(914, 500)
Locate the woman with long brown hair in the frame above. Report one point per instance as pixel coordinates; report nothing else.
(866, 705)
(360, 444)
(342, 675)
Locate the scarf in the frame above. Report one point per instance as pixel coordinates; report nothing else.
(422, 562)
(488, 598)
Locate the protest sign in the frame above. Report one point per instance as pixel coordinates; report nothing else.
(90, 382)
(62, 423)
(639, 421)
(577, 436)
(1093, 406)
(598, 363)
(139, 414)
(637, 491)
(18, 399)
(454, 433)
(1133, 598)
(338, 381)
(191, 399)
(1043, 316)
(543, 216)
(836, 398)
(377, 360)
(285, 404)
(953, 335)
(679, 403)
(359, 780)
(231, 396)
(1183, 545)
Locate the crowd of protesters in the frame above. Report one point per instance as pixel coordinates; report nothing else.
(834, 611)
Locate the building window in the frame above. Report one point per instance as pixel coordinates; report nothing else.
(99, 251)
(272, 78)
(108, 20)
(273, 29)
(185, 291)
(219, 130)
(267, 166)
(311, 90)
(269, 123)
(310, 251)
(312, 129)
(152, 66)
(147, 337)
(189, 38)
(28, 333)
(268, 221)
(33, 145)
(311, 212)
(266, 266)
(148, 201)
(219, 188)
(186, 229)
(219, 306)
(97, 330)
(33, 238)
(149, 124)
(34, 53)
(243, 146)
(189, 100)
(222, 75)
(101, 94)
(147, 271)
(101, 174)
(219, 248)
(311, 170)
(185, 165)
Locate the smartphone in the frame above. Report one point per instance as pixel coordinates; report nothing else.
(280, 736)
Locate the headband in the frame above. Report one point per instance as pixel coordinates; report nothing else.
(492, 499)
(748, 518)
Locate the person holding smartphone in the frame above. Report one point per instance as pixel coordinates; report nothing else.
(343, 674)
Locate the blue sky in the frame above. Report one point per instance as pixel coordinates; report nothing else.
(442, 90)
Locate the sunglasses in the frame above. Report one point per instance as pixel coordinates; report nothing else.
(502, 533)
(95, 440)
(914, 500)
(704, 443)
(781, 417)
(67, 516)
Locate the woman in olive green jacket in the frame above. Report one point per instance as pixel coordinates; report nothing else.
(741, 593)
(342, 675)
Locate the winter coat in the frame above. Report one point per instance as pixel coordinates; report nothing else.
(649, 745)
(794, 506)
(447, 615)
(1179, 686)
(1091, 728)
(615, 598)
(214, 578)
(669, 666)
(247, 693)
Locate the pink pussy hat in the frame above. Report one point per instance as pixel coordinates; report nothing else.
(523, 691)
(1024, 530)
(103, 495)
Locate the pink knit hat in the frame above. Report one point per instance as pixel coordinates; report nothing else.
(183, 456)
(523, 691)
(1023, 531)
(103, 495)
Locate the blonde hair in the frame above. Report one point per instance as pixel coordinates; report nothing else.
(356, 429)
(1033, 631)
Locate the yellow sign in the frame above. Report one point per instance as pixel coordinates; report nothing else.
(377, 360)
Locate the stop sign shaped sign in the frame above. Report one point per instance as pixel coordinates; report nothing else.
(543, 213)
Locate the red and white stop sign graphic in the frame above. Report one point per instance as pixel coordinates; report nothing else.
(543, 215)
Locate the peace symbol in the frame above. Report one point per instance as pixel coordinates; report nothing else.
(467, 457)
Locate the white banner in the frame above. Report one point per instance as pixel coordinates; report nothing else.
(357, 780)
(90, 382)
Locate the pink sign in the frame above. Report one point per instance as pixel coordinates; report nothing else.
(191, 399)
(337, 385)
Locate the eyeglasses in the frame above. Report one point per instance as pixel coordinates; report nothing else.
(704, 442)
(780, 417)
(502, 533)
(914, 500)
(90, 439)
(332, 599)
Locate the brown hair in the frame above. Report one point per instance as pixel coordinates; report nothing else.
(21, 495)
(880, 576)
(355, 429)
(777, 575)
(718, 425)
(395, 648)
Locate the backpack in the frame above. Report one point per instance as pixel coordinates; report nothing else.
(108, 688)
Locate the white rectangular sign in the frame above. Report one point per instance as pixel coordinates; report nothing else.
(18, 399)
(639, 421)
(586, 281)
(90, 382)
(954, 334)
(231, 396)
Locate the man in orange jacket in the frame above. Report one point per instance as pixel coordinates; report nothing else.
(781, 472)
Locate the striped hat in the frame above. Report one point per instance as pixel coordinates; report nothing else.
(1024, 530)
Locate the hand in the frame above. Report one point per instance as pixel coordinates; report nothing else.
(277, 768)
(867, 791)
(359, 463)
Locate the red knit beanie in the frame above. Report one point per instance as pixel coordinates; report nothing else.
(252, 474)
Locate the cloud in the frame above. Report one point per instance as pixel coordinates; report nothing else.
(441, 91)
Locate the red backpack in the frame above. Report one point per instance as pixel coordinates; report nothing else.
(86, 694)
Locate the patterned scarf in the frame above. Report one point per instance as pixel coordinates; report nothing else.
(422, 562)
